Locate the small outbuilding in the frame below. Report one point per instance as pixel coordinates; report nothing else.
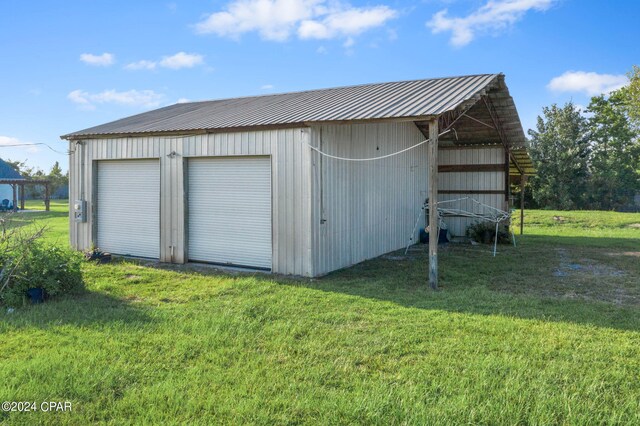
(7, 193)
(298, 183)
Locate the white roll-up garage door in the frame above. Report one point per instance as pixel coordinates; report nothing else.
(229, 210)
(128, 211)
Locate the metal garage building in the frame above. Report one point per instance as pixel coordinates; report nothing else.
(241, 182)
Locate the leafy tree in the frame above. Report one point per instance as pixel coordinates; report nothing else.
(56, 177)
(20, 167)
(615, 152)
(560, 152)
(633, 95)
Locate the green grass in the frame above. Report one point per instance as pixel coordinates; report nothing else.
(56, 220)
(544, 333)
(593, 228)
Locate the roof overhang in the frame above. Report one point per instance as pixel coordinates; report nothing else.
(490, 118)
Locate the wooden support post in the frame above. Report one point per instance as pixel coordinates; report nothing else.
(15, 197)
(46, 196)
(22, 196)
(523, 181)
(434, 232)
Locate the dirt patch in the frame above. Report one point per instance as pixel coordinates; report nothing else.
(132, 277)
(589, 279)
(559, 219)
(626, 253)
(634, 225)
(585, 266)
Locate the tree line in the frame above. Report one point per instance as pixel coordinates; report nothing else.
(588, 159)
(59, 181)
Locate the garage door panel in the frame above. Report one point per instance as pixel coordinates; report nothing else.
(128, 214)
(230, 210)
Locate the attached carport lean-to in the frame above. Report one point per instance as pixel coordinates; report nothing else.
(488, 119)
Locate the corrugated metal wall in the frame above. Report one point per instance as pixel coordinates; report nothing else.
(364, 209)
(290, 175)
(358, 210)
(480, 181)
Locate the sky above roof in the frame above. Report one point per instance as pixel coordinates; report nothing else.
(67, 65)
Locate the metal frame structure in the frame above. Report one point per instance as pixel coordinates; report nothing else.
(19, 184)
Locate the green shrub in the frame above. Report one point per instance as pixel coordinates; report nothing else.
(485, 232)
(56, 270)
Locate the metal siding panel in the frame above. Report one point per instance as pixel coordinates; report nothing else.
(298, 198)
(129, 216)
(172, 200)
(275, 204)
(230, 210)
(370, 207)
(471, 181)
(293, 168)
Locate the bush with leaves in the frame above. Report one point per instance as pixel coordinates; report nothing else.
(485, 232)
(27, 262)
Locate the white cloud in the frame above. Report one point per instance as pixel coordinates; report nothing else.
(346, 23)
(133, 98)
(181, 60)
(8, 141)
(81, 98)
(348, 43)
(103, 60)
(266, 87)
(494, 16)
(183, 101)
(277, 20)
(177, 61)
(590, 83)
(141, 65)
(273, 19)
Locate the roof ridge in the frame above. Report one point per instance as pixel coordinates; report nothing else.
(350, 86)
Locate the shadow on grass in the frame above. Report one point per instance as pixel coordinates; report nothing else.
(84, 309)
(468, 285)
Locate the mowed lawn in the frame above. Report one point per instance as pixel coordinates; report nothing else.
(547, 332)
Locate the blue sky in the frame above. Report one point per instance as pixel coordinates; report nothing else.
(66, 65)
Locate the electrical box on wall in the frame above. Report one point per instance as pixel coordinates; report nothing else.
(80, 211)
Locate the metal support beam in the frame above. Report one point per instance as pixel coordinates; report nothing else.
(523, 181)
(469, 168)
(496, 122)
(434, 232)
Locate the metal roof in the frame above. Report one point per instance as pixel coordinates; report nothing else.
(416, 100)
(8, 172)
(404, 99)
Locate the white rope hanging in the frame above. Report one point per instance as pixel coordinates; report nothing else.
(373, 158)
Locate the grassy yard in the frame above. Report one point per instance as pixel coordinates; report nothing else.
(544, 333)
